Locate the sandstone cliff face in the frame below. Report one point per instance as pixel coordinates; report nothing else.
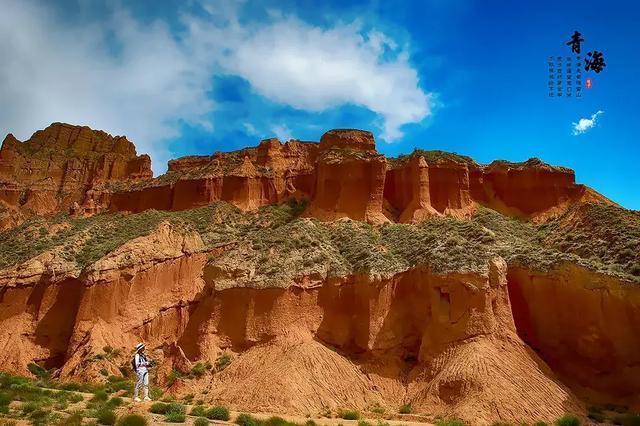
(453, 186)
(58, 165)
(350, 178)
(270, 173)
(342, 177)
(524, 189)
(446, 343)
(588, 333)
(316, 315)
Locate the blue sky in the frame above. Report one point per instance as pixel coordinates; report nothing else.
(198, 76)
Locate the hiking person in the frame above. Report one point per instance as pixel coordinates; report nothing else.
(140, 364)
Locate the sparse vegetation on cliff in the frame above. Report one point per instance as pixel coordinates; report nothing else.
(604, 236)
(280, 245)
(432, 157)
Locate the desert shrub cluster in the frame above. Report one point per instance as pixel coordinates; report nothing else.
(278, 243)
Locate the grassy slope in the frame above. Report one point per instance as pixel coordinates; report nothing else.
(279, 244)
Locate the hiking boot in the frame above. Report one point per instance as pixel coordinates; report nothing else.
(136, 399)
(146, 398)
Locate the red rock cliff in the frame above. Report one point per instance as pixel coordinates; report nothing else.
(270, 173)
(58, 165)
(342, 177)
(350, 178)
(524, 189)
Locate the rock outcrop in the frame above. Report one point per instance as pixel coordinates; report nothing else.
(477, 317)
(444, 343)
(588, 333)
(350, 178)
(524, 189)
(345, 177)
(75, 168)
(57, 167)
(270, 173)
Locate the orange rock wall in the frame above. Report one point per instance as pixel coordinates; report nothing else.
(58, 165)
(343, 176)
(584, 324)
(396, 339)
(407, 190)
(524, 191)
(449, 187)
(349, 189)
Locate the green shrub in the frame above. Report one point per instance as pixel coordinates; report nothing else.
(198, 369)
(218, 413)
(176, 408)
(29, 407)
(247, 420)
(61, 405)
(199, 411)
(116, 383)
(450, 422)
(223, 361)
(349, 414)
(173, 376)
(364, 423)
(540, 423)
(155, 392)
(376, 408)
(159, 408)
(106, 417)
(40, 417)
(75, 419)
(175, 417)
(405, 409)
(278, 421)
(75, 397)
(5, 399)
(201, 421)
(116, 401)
(132, 420)
(38, 371)
(100, 396)
(568, 420)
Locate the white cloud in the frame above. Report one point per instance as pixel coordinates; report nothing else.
(282, 132)
(250, 128)
(585, 124)
(53, 72)
(307, 67)
(142, 80)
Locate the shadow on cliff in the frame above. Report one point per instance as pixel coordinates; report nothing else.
(54, 308)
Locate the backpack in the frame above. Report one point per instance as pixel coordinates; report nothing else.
(133, 361)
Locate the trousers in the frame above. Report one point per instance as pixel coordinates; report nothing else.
(143, 381)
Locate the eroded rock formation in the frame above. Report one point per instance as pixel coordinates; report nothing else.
(354, 316)
(350, 178)
(446, 343)
(68, 167)
(270, 173)
(57, 167)
(589, 333)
